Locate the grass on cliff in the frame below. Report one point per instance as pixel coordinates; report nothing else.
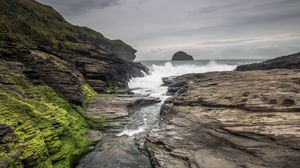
(47, 130)
(32, 22)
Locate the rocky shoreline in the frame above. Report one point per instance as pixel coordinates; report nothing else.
(230, 119)
(64, 92)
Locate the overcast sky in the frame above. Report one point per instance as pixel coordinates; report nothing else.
(206, 29)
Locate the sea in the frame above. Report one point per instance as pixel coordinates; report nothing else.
(147, 118)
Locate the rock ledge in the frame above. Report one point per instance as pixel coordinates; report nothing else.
(230, 119)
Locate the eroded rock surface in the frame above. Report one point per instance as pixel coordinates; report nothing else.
(230, 119)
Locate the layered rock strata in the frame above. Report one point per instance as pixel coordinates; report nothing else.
(62, 55)
(230, 119)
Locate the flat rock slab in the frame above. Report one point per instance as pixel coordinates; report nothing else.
(116, 106)
(115, 109)
(231, 119)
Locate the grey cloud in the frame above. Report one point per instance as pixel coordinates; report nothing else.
(210, 29)
(217, 7)
(76, 7)
(242, 15)
(276, 39)
(275, 4)
(222, 42)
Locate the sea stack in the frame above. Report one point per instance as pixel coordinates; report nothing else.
(182, 56)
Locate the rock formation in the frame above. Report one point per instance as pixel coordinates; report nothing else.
(181, 56)
(230, 119)
(285, 62)
(48, 69)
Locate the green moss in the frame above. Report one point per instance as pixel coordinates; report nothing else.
(47, 130)
(89, 92)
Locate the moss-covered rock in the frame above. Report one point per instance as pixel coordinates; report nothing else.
(41, 129)
(50, 64)
(89, 92)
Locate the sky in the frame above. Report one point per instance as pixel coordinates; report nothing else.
(205, 29)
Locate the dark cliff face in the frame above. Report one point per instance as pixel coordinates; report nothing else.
(180, 55)
(62, 55)
(285, 62)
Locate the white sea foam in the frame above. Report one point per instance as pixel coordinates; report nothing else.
(131, 132)
(150, 84)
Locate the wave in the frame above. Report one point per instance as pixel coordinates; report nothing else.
(152, 82)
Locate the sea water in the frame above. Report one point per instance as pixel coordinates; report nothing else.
(146, 118)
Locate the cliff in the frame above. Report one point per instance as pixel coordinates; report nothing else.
(33, 33)
(48, 69)
(181, 56)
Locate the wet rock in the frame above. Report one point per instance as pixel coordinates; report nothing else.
(168, 80)
(114, 152)
(173, 90)
(230, 119)
(285, 62)
(177, 83)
